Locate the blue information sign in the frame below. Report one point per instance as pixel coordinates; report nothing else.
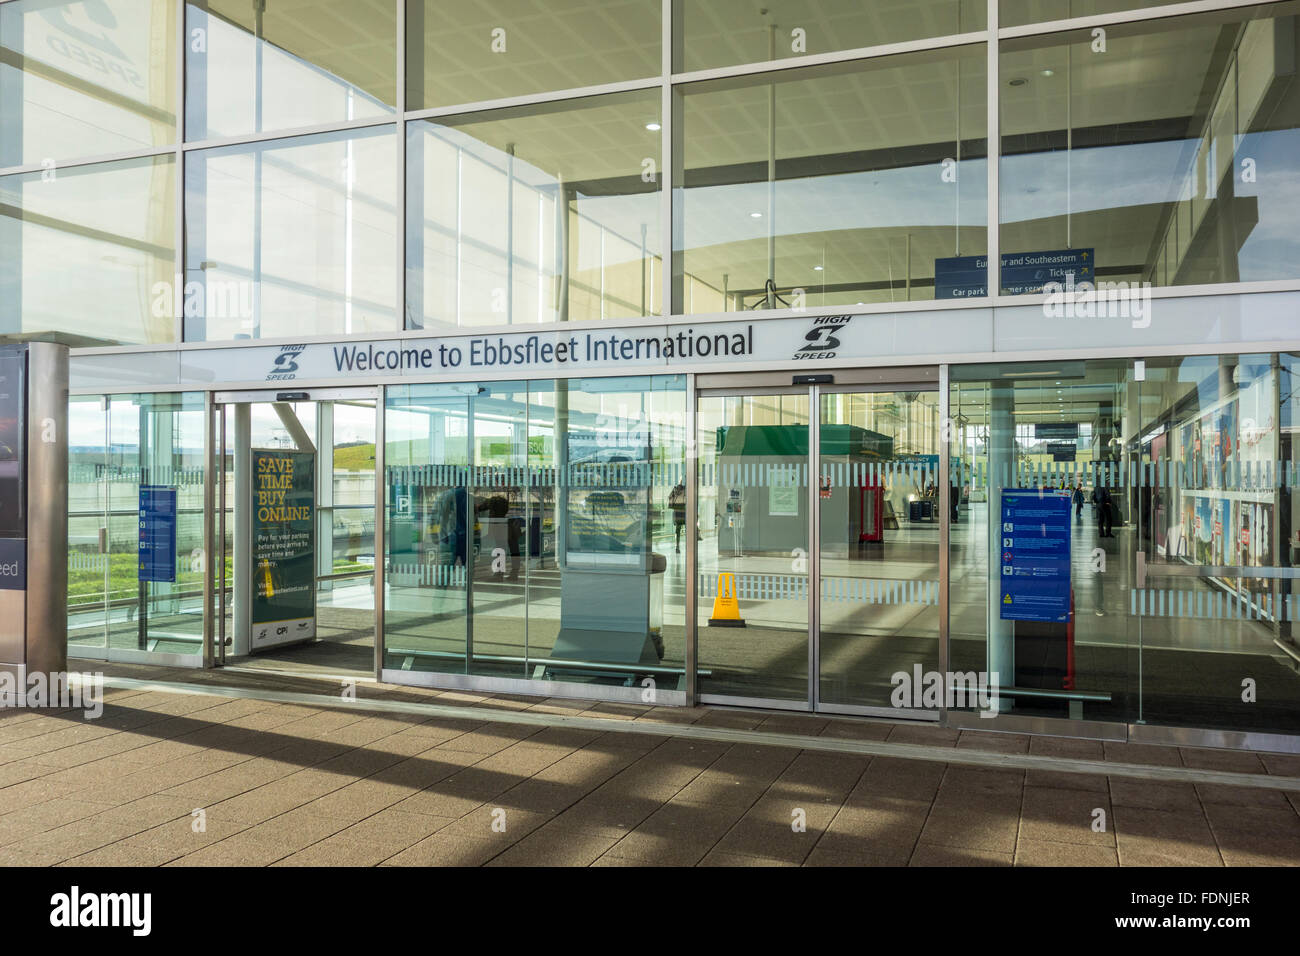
(1035, 574)
(157, 533)
(1023, 273)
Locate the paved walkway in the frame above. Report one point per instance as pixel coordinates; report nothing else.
(267, 769)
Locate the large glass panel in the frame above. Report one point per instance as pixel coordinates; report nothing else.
(1178, 473)
(842, 185)
(485, 243)
(753, 545)
(85, 78)
(718, 33)
(469, 53)
(1039, 582)
(427, 444)
(89, 577)
(1012, 13)
(1211, 442)
(879, 545)
(88, 253)
(528, 530)
(1162, 153)
(257, 67)
(126, 602)
(345, 536)
(292, 238)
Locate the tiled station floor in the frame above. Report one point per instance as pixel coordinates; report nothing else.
(222, 778)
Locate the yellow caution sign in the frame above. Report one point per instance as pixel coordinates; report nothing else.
(1006, 599)
(726, 606)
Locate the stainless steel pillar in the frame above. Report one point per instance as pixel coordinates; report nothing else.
(33, 549)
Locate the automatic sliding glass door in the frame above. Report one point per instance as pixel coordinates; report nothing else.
(878, 561)
(754, 515)
(863, 604)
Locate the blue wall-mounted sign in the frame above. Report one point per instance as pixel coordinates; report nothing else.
(1023, 273)
(1035, 578)
(157, 533)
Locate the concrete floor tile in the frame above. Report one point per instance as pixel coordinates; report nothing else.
(677, 834)
(1150, 754)
(124, 854)
(440, 850)
(1242, 796)
(1065, 816)
(973, 829)
(396, 827)
(994, 743)
(1047, 853)
(1153, 794)
(238, 850)
(1061, 780)
(1071, 747)
(1235, 761)
(1275, 822)
(867, 856)
(722, 858)
(338, 850)
(556, 845)
(932, 855)
(924, 734)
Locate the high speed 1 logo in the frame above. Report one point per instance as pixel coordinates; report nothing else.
(821, 338)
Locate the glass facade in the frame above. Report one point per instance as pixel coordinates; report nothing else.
(830, 186)
(291, 238)
(256, 68)
(85, 79)
(88, 252)
(530, 530)
(470, 53)
(727, 32)
(1178, 477)
(202, 173)
(1184, 178)
(117, 447)
(548, 166)
(535, 214)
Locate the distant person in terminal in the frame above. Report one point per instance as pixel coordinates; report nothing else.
(1078, 501)
(1101, 498)
(677, 502)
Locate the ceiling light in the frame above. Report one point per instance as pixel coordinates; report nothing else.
(1047, 72)
(755, 215)
(817, 268)
(653, 127)
(1018, 81)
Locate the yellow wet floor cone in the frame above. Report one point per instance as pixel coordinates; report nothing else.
(726, 606)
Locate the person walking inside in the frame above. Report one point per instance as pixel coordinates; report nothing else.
(677, 503)
(1078, 501)
(1104, 519)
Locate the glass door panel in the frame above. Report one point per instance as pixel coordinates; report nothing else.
(345, 534)
(1215, 546)
(754, 534)
(431, 543)
(88, 566)
(879, 543)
